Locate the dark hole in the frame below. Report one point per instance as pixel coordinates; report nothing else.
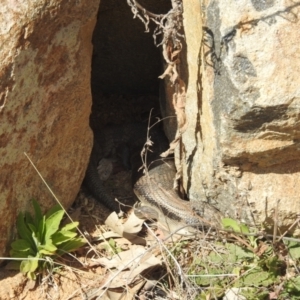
(125, 85)
(125, 65)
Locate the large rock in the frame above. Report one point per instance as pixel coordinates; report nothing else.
(45, 102)
(242, 145)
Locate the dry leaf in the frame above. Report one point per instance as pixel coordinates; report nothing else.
(178, 176)
(111, 295)
(106, 236)
(179, 102)
(134, 290)
(168, 72)
(122, 260)
(166, 51)
(171, 71)
(114, 223)
(151, 262)
(133, 264)
(261, 249)
(175, 75)
(133, 225)
(96, 292)
(127, 293)
(172, 147)
(116, 279)
(175, 53)
(128, 230)
(123, 243)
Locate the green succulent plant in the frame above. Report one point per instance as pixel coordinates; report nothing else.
(42, 239)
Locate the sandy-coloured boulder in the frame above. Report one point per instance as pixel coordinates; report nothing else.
(45, 103)
(241, 149)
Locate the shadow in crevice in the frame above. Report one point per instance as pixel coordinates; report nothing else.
(278, 165)
(289, 168)
(258, 116)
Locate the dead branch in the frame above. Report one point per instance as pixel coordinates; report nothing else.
(169, 27)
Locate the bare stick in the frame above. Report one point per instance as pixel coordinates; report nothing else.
(51, 192)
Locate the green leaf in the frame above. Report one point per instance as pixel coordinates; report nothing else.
(42, 229)
(39, 237)
(273, 264)
(229, 254)
(255, 277)
(230, 223)
(28, 218)
(71, 245)
(38, 213)
(292, 286)
(29, 265)
(62, 236)
(112, 243)
(23, 230)
(253, 241)
(48, 247)
(254, 293)
(52, 223)
(32, 227)
(234, 225)
(294, 249)
(36, 241)
(70, 226)
(53, 210)
(205, 277)
(238, 253)
(20, 254)
(203, 296)
(44, 251)
(296, 282)
(31, 275)
(244, 228)
(21, 245)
